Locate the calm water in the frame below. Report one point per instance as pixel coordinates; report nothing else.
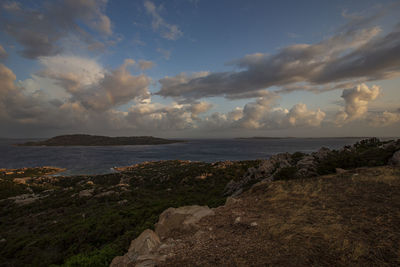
(98, 160)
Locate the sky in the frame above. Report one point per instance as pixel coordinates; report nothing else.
(200, 68)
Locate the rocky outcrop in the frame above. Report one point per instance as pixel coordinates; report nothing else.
(180, 219)
(140, 251)
(86, 193)
(153, 247)
(299, 165)
(265, 171)
(306, 166)
(25, 199)
(395, 159)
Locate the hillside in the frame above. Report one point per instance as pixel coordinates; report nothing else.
(96, 140)
(88, 220)
(347, 219)
(286, 212)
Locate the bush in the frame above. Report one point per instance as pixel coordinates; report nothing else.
(286, 173)
(97, 258)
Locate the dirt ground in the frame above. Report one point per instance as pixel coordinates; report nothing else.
(348, 219)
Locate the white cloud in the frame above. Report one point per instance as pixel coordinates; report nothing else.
(71, 72)
(262, 114)
(356, 102)
(116, 88)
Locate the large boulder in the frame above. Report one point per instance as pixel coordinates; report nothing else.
(151, 248)
(306, 167)
(86, 193)
(321, 154)
(395, 159)
(140, 251)
(180, 219)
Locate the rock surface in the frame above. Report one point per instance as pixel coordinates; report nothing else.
(183, 218)
(151, 248)
(86, 193)
(395, 160)
(140, 250)
(308, 222)
(269, 168)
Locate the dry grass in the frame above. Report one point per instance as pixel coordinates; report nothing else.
(336, 220)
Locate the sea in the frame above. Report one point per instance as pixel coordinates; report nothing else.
(79, 160)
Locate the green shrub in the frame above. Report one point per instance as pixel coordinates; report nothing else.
(286, 173)
(96, 258)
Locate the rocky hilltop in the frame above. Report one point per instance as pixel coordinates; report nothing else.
(97, 140)
(286, 212)
(345, 219)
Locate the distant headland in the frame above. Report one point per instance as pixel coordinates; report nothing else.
(97, 140)
(291, 137)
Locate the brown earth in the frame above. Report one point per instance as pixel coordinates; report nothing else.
(351, 218)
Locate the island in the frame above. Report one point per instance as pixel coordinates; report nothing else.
(97, 140)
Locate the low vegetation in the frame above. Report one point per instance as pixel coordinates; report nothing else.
(88, 220)
(369, 152)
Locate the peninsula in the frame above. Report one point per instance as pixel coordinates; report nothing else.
(97, 140)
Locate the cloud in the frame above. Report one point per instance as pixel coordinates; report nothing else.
(71, 72)
(145, 64)
(3, 53)
(20, 107)
(40, 31)
(165, 53)
(167, 31)
(299, 115)
(7, 78)
(91, 108)
(262, 114)
(91, 85)
(383, 119)
(11, 6)
(358, 55)
(198, 108)
(96, 88)
(116, 88)
(173, 83)
(356, 102)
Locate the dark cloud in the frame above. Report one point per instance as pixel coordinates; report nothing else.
(39, 31)
(333, 63)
